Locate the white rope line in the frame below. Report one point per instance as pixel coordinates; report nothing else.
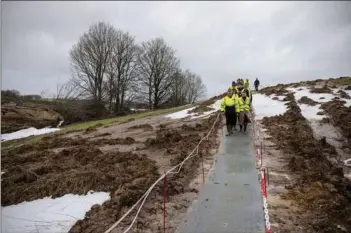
(146, 194)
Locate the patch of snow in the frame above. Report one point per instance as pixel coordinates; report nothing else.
(265, 106)
(26, 133)
(184, 113)
(180, 114)
(310, 112)
(281, 98)
(216, 106)
(347, 162)
(59, 124)
(49, 215)
(139, 109)
(305, 91)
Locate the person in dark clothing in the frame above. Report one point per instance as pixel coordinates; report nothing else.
(256, 83)
(228, 106)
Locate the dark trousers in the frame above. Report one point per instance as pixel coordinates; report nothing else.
(231, 118)
(256, 87)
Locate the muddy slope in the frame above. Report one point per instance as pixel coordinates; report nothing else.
(179, 144)
(340, 117)
(16, 116)
(320, 189)
(58, 165)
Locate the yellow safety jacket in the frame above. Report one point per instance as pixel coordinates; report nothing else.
(233, 88)
(246, 84)
(229, 104)
(243, 105)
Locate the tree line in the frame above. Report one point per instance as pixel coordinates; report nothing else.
(111, 69)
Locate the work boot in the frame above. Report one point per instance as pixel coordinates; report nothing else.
(245, 127)
(231, 129)
(228, 130)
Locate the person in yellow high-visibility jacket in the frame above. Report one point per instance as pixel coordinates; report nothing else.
(247, 83)
(233, 87)
(243, 103)
(230, 108)
(248, 92)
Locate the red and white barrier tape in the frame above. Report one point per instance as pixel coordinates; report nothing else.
(264, 198)
(258, 134)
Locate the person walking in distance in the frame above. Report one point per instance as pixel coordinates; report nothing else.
(243, 103)
(229, 108)
(256, 83)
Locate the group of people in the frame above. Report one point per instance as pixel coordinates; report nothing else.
(236, 105)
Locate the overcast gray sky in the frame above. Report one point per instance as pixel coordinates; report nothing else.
(221, 41)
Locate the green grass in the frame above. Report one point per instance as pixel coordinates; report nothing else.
(110, 121)
(85, 125)
(346, 81)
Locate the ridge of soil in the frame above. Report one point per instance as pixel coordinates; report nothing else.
(308, 101)
(343, 94)
(142, 126)
(324, 89)
(340, 117)
(319, 189)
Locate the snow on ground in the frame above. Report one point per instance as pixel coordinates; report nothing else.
(184, 113)
(281, 98)
(347, 162)
(310, 112)
(304, 91)
(26, 133)
(265, 106)
(180, 114)
(49, 215)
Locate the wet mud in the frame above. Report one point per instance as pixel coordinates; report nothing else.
(319, 189)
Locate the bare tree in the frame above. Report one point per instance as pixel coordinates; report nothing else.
(121, 69)
(179, 89)
(67, 91)
(90, 56)
(195, 87)
(157, 65)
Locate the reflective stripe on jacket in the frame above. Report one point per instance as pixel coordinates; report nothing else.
(243, 105)
(229, 102)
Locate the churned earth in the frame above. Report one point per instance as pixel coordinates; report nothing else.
(306, 150)
(123, 160)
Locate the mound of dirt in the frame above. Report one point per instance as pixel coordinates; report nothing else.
(75, 170)
(308, 101)
(324, 89)
(321, 190)
(142, 126)
(164, 137)
(15, 116)
(341, 117)
(115, 141)
(201, 109)
(344, 95)
(277, 90)
(48, 143)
